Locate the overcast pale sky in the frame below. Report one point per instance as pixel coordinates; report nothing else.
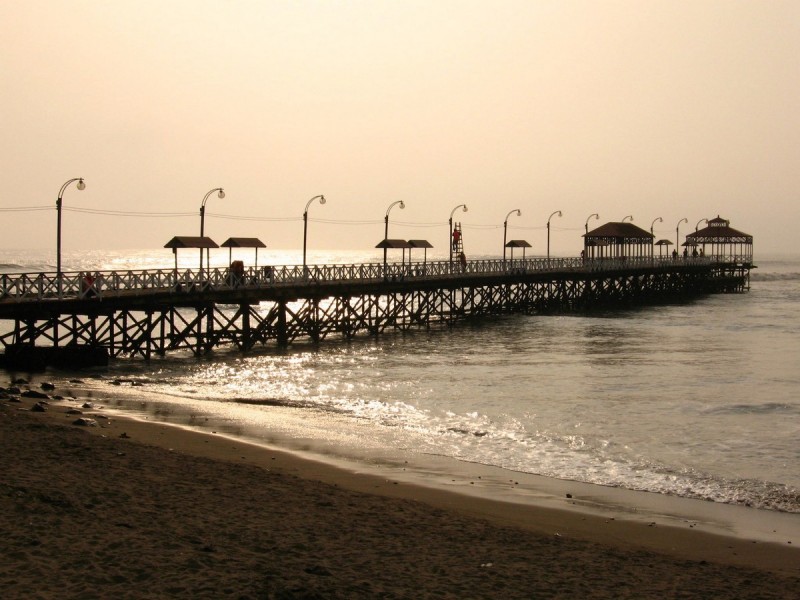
(649, 108)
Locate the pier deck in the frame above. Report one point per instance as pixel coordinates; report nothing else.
(138, 313)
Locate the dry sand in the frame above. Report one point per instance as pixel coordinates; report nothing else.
(138, 510)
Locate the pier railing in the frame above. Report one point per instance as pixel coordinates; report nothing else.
(100, 284)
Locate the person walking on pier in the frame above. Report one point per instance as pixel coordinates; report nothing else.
(463, 259)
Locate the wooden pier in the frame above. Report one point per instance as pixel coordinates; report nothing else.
(146, 313)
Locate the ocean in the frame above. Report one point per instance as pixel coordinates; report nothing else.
(697, 399)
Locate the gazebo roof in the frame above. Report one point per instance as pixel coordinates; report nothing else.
(663, 243)
(620, 231)
(188, 241)
(393, 244)
(241, 242)
(719, 230)
(518, 244)
(419, 244)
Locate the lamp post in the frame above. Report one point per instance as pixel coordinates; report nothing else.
(558, 212)
(81, 186)
(505, 230)
(305, 226)
(586, 227)
(463, 208)
(220, 194)
(678, 232)
(698, 223)
(386, 227)
(628, 217)
(658, 219)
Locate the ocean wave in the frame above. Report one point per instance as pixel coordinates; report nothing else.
(290, 403)
(761, 276)
(754, 409)
(743, 492)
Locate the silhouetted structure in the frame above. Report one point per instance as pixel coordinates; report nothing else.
(618, 240)
(723, 243)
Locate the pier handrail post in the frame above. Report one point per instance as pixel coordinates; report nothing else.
(505, 232)
(81, 186)
(220, 194)
(305, 227)
(557, 212)
(386, 228)
(450, 239)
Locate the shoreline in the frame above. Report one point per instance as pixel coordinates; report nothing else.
(490, 483)
(137, 509)
(625, 519)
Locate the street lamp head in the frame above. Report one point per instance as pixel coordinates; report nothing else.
(221, 193)
(81, 184)
(402, 204)
(322, 200)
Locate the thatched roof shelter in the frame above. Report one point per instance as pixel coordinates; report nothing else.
(243, 242)
(724, 242)
(190, 241)
(425, 244)
(387, 243)
(618, 240)
(518, 244)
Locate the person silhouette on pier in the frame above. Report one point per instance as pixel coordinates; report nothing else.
(456, 237)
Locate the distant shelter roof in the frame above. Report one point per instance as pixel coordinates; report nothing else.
(518, 244)
(618, 239)
(419, 244)
(393, 244)
(619, 231)
(188, 241)
(718, 231)
(243, 242)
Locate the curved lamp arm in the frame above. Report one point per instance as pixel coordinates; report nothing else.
(321, 201)
(595, 215)
(221, 194)
(516, 210)
(400, 202)
(557, 212)
(698, 223)
(656, 220)
(463, 208)
(628, 217)
(81, 186)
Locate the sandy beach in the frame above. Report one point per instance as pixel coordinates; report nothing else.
(131, 509)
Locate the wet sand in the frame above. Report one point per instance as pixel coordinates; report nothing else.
(132, 509)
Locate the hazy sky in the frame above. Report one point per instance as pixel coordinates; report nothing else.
(631, 107)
